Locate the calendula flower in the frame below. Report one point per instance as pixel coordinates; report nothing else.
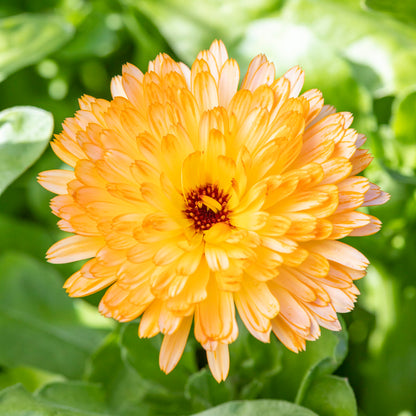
(196, 198)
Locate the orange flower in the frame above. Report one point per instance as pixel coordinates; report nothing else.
(194, 197)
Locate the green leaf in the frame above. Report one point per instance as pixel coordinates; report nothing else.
(23, 235)
(331, 396)
(125, 390)
(258, 408)
(77, 395)
(253, 363)
(27, 38)
(135, 349)
(204, 391)
(92, 38)
(164, 393)
(24, 134)
(403, 118)
(128, 392)
(404, 10)
(394, 148)
(16, 401)
(31, 378)
(388, 370)
(322, 356)
(38, 323)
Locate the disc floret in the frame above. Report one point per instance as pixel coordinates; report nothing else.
(206, 206)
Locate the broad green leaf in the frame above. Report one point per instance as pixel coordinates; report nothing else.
(258, 408)
(204, 391)
(389, 374)
(24, 134)
(331, 396)
(38, 322)
(31, 378)
(77, 395)
(136, 348)
(16, 401)
(394, 165)
(397, 158)
(403, 118)
(322, 356)
(379, 298)
(253, 363)
(404, 10)
(27, 38)
(23, 235)
(125, 390)
(128, 392)
(93, 37)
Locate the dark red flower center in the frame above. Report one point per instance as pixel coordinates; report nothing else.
(206, 206)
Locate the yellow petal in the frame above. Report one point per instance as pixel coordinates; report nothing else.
(74, 248)
(173, 345)
(219, 362)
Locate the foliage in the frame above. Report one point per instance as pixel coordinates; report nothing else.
(57, 356)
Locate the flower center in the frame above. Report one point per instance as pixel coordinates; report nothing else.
(206, 206)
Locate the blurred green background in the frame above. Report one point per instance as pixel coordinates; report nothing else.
(361, 54)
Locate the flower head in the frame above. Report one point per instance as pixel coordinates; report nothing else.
(194, 197)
